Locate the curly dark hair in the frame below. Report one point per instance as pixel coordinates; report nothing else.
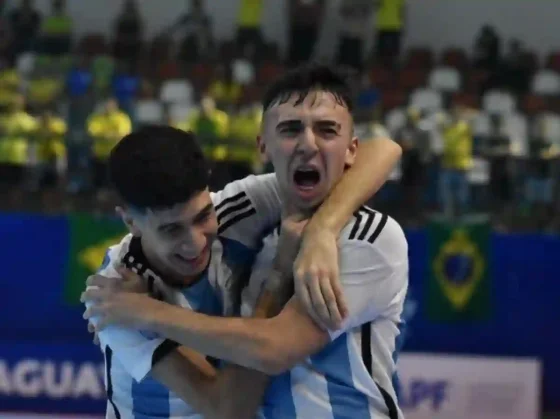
(157, 167)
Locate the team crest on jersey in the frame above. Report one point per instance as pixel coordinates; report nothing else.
(459, 267)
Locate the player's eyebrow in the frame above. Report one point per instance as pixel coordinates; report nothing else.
(169, 226)
(290, 123)
(328, 123)
(204, 212)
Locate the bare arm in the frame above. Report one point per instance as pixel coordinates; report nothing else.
(316, 270)
(235, 392)
(374, 162)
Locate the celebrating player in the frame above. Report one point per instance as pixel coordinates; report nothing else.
(308, 135)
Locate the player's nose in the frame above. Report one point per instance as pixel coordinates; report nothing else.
(307, 142)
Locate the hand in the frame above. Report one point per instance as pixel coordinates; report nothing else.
(124, 308)
(91, 329)
(291, 232)
(316, 278)
(128, 282)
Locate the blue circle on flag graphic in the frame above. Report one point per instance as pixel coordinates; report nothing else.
(458, 268)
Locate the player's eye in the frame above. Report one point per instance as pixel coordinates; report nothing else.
(172, 230)
(290, 131)
(329, 131)
(202, 218)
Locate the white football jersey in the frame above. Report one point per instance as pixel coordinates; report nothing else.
(247, 210)
(354, 376)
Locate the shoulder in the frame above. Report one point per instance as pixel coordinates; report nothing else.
(114, 256)
(243, 198)
(243, 189)
(375, 236)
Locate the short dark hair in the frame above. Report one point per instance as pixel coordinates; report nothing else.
(157, 167)
(306, 78)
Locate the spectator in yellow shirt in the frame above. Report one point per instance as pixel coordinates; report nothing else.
(244, 128)
(50, 149)
(16, 128)
(57, 30)
(390, 21)
(210, 125)
(106, 129)
(50, 152)
(225, 91)
(456, 163)
(249, 24)
(9, 85)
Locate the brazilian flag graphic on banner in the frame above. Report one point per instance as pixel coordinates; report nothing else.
(89, 239)
(458, 281)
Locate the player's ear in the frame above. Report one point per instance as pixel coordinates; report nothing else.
(262, 149)
(351, 152)
(128, 220)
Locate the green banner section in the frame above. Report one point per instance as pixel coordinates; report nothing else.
(458, 278)
(90, 237)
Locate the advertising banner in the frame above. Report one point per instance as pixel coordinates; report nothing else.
(443, 387)
(51, 377)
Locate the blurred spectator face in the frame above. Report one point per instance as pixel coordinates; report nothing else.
(111, 106)
(309, 144)
(207, 105)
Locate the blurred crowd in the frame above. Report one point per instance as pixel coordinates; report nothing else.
(480, 129)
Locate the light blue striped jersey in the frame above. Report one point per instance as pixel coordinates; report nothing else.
(246, 211)
(354, 376)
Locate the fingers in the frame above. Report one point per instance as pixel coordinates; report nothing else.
(319, 304)
(334, 318)
(302, 292)
(95, 295)
(339, 296)
(91, 312)
(131, 281)
(92, 329)
(102, 281)
(127, 274)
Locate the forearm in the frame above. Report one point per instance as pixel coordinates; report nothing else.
(234, 393)
(241, 389)
(240, 341)
(374, 162)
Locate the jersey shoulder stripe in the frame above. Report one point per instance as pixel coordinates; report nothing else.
(367, 226)
(233, 209)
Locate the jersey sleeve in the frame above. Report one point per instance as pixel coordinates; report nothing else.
(137, 352)
(248, 209)
(373, 271)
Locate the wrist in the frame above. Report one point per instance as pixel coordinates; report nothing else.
(158, 318)
(323, 222)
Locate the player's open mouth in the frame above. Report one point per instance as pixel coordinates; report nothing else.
(305, 179)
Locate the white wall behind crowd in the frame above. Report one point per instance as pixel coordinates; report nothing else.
(435, 23)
